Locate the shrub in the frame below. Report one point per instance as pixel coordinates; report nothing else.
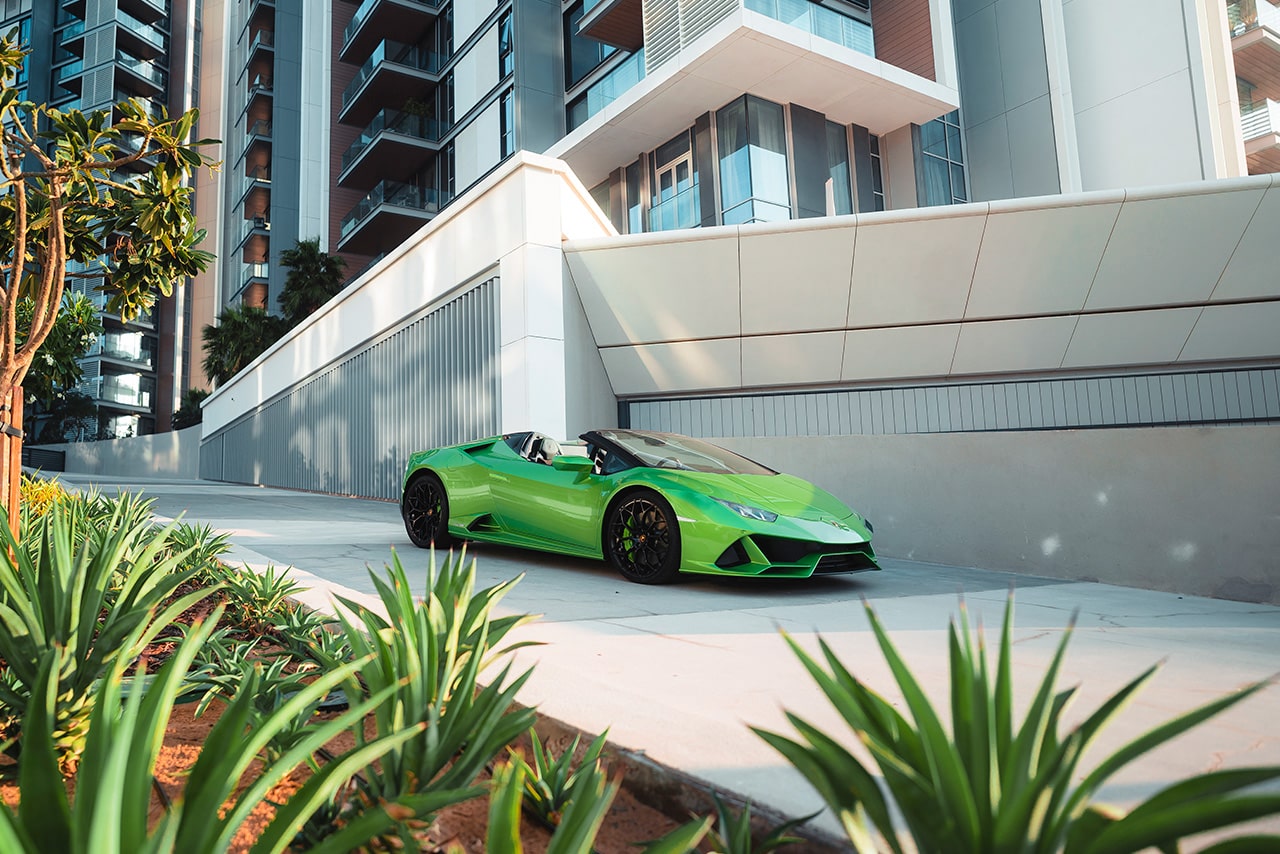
(992, 784)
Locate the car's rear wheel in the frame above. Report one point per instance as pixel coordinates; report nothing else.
(425, 509)
(642, 538)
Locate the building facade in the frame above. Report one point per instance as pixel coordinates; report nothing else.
(91, 55)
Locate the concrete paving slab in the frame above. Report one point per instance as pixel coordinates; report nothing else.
(681, 672)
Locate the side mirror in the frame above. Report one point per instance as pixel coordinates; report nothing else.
(571, 463)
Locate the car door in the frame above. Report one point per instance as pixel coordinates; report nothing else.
(546, 505)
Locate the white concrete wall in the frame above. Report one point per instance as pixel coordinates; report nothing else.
(317, 62)
(468, 16)
(1187, 510)
(512, 223)
(175, 454)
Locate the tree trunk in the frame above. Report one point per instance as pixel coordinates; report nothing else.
(11, 457)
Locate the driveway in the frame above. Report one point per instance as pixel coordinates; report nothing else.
(680, 672)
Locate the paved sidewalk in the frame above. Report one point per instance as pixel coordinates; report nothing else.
(680, 672)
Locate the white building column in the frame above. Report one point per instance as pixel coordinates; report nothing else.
(532, 338)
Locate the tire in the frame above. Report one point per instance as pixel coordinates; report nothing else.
(642, 538)
(425, 509)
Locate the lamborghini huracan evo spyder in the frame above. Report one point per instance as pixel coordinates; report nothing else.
(654, 504)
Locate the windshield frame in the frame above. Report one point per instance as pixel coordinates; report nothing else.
(622, 442)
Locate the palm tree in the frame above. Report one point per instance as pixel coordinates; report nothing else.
(314, 278)
(241, 335)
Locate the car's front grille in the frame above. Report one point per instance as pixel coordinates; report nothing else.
(856, 562)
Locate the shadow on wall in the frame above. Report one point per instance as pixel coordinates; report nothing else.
(171, 455)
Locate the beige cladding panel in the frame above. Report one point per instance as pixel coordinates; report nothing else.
(1130, 338)
(814, 357)
(1036, 344)
(1253, 271)
(682, 366)
(1171, 249)
(796, 281)
(903, 351)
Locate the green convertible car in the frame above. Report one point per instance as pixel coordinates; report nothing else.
(654, 504)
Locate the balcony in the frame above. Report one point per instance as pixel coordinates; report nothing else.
(386, 217)
(408, 20)
(255, 239)
(615, 22)
(1255, 43)
(255, 273)
(146, 10)
(259, 97)
(132, 390)
(753, 52)
(262, 16)
(128, 348)
(257, 142)
(819, 21)
(148, 77)
(263, 47)
(393, 73)
(1260, 127)
(145, 40)
(393, 137)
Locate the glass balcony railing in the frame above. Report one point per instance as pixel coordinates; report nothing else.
(392, 121)
(132, 347)
(259, 270)
(396, 53)
(259, 173)
(257, 223)
(150, 107)
(145, 70)
(66, 72)
(607, 89)
(820, 21)
(1246, 15)
(1259, 119)
(362, 13)
(129, 389)
(678, 211)
(73, 32)
(148, 33)
(262, 38)
(261, 127)
(391, 193)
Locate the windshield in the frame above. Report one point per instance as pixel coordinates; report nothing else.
(669, 451)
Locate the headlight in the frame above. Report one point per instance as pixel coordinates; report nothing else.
(748, 512)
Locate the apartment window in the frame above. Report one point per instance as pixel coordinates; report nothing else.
(838, 167)
(754, 185)
(507, 120)
(877, 173)
(635, 210)
(940, 162)
(673, 201)
(446, 101)
(506, 46)
(448, 174)
(581, 54)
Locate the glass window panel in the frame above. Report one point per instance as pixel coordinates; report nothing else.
(600, 193)
(768, 135)
(735, 163)
(933, 138)
(953, 144)
(581, 54)
(957, 182)
(937, 182)
(635, 223)
(838, 167)
(739, 214)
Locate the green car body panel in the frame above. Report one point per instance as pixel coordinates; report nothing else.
(496, 495)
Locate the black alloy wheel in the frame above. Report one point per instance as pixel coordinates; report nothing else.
(642, 538)
(425, 509)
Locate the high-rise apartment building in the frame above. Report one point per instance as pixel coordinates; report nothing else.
(90, 55)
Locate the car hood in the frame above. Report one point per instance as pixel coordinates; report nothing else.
(783, 494)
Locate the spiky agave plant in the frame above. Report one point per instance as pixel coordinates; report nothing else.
(992, 784)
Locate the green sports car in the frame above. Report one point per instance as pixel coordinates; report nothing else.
(654, 504)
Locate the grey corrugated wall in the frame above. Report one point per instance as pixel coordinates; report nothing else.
(349, 428)
(1203, 397)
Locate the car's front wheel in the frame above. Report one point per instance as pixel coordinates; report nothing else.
(642, 538)
(425, 509)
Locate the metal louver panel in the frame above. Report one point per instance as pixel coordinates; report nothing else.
(661, 32)
(698, 16)
(350, 428)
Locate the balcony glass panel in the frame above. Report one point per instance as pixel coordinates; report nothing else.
(368, 6)
(73, 32)
(262, 38)
(146, 32)
(145, 70)
(393, 121)
(820, 21)
(132, 347)
(129, 389)
(1245, 15)
(413, 56)
(259, 173)
(261, 127)
(607, 89)
(391, 193)
(66, 72)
